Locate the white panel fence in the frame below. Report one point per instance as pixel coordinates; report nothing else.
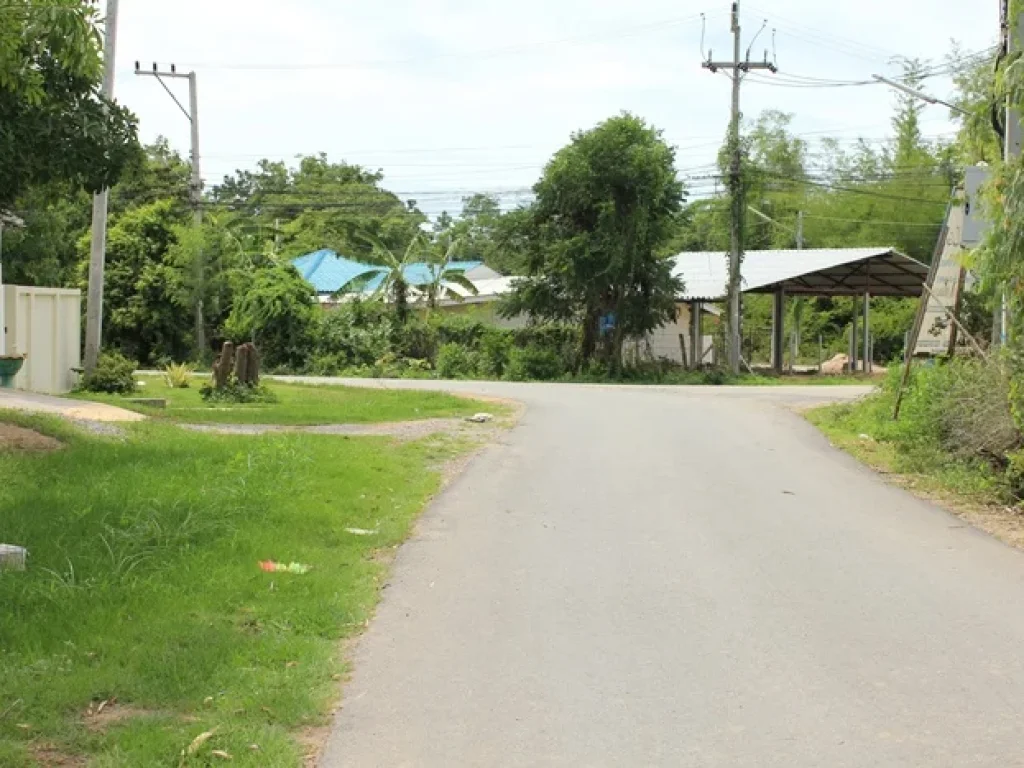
(46, 325)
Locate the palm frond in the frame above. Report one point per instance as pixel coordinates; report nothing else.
(360, 283)
(458, 277)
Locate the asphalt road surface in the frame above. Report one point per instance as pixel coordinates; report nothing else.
(686, 577)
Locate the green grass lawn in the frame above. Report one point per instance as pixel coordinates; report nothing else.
(297, 405)
(143, 585)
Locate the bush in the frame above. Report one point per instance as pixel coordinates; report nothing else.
(416, 340)
(454, 361)
(459, 329)
(352, 334)
(961, 408)
(534, 363)
(278, 312)
(114, 374)
(562, 340)
(234, 392)
(178, 376)
(495, 351)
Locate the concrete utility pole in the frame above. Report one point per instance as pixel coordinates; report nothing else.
(919, 94)
(98, 247)
(196, 191)
(1012, 30)
(737, 66)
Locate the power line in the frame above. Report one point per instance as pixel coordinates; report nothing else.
(481, 54)
(936, 225)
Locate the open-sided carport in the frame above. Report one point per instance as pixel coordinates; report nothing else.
(821, 272)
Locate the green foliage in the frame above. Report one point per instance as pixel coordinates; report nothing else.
(179, 375)
(276, 200)
(605, 209)
(455, 361)
(57, 127)
(534, 363)
(277, 312)
(482, 231)
(44, 252)
(355, 333)
(147, 299)
(114, 374)
(234, 392)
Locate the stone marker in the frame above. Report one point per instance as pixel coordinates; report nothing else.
(12, 558)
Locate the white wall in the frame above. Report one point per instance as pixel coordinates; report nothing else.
(663, 343)
(45, 324)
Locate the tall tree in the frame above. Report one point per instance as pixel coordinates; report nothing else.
(56, 125)
(318, 204)
(605, 209)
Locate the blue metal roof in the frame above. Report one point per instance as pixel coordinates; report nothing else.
(328, 272)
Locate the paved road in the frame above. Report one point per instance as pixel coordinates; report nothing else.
(686, 577)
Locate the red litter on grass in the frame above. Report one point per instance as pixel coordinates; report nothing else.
(299, 569)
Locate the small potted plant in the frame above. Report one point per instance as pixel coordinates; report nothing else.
(10, 365)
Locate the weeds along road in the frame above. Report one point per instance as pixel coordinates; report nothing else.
(685, 577)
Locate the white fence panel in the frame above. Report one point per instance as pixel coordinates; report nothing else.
(46, 325)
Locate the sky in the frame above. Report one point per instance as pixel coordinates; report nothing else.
(451, 97)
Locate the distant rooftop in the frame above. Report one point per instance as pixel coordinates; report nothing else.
(328, 272)
(880, 271)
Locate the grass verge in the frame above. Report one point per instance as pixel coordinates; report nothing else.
(298, 405)
(144, 591)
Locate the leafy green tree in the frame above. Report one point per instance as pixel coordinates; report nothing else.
(44, 252)
(156, 173)
(317, 205)
(56, 125)
(975, 83)
(146, 296)
(484, 233)
(604, 211)
(277, 311)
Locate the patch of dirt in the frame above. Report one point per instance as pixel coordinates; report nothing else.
(102, 428)
(49, 756)
(313, 740)
(14, 438)
(103, 714)
(399, 430)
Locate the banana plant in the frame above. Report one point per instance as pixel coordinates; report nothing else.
(444, 277)
(394, 284)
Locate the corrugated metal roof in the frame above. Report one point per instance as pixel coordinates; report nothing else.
(820, 271)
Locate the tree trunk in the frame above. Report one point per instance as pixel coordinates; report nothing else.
(591, 320)
(401, 291)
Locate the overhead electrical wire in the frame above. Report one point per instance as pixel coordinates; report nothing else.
(471, 55)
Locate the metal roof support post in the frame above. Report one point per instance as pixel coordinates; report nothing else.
(778, 331)
(853, 337)
(867, 332)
